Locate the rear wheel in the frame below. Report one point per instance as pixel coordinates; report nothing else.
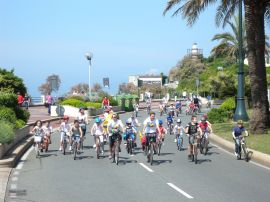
(159, 147)
(195, 154)
(64, 147)
(245, 152)
(116, 155)
(151, 153)
(75, 148)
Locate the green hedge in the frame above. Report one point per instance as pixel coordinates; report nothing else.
(228, 104)
(217, 115)
(74, 103)
(94, 105)
(8, 100)
(6, 133)
(22, 114)
(8, 115)
(19, 123)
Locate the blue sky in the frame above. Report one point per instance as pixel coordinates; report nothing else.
(40, 38)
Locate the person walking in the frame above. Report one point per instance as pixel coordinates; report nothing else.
(20, 99)
(49, 102)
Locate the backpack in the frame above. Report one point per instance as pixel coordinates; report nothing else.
(192, 129)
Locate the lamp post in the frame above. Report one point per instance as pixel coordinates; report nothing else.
(240, 112)
(89, 57)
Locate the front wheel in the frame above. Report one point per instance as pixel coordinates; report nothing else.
(151, 153)
(159, 148)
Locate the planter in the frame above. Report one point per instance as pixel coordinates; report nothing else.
(18, 136)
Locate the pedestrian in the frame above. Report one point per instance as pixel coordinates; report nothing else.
(49, 102)
(105, 103)
(26, 100)
(20, 99)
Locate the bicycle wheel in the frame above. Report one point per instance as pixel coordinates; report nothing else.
(75, 149)
(159, 147)
(151, 153)
(201, 145)
(205, 147)
(130, 147)
(116, 153)
(195, 154)
(82, 143)
(37, 150)
(64, 147)
(245, 152)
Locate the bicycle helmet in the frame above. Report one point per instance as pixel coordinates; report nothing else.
(66, 117)
(128, 122)
(160, 122)
(178, 121)
(97, 120)
(203, 119)
(240, 122)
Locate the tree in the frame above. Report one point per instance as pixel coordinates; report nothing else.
(97, 88)
(52, 83)
(128, 88)
(78, 88)
(229, 43)
(256, 11)
(11, 83)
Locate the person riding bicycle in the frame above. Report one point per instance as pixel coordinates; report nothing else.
(178, 105)
(206, 128)
(97, 130)
(129, 131)
(105, 103)
(148, 104)
(38, 131)
(83, 121)
(171, 109)
(77, 132)
(65, 129)
(163, 131)
(48, 130)
(115, 127)
(192, 130)
(169, 120)
(237, 134)
(178, 130)
(150, 129)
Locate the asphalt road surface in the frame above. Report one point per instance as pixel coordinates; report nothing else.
(217, 177)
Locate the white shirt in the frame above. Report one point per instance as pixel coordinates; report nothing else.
(178, 130)
(150, 126)
(47, 130)
(134, 122)
(114, 124)
(97, 129)
(65, 127)
(82, 118)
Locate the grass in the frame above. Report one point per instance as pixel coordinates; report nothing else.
(257, 142)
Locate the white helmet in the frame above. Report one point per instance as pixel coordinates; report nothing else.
(178, 121)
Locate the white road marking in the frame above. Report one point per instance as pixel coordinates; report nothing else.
(20, 164)
(14, 179)
(16, 173)
(146, 167)
(257, 164)
(13, 186)
(179, 190)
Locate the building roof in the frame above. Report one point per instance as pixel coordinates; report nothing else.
(149, 76)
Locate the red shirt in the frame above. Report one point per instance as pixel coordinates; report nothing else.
(203, 125)
(20, 99)
(105, 102)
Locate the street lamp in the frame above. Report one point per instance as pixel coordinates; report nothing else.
(89, 57)
(240, 112)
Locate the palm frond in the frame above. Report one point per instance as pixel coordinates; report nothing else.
(225, 11)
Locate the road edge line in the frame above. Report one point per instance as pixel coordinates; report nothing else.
(146, 167)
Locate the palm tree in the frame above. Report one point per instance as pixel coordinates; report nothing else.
(229, 43)
(256, 12)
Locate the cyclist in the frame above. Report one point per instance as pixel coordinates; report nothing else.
(206, 128)
(169, 121)
(237, 132)
(98, 131)
(65, 129)
(115, 127)
(38, 131)
(83, 121)
(48, 131)
(150, 129)
(192, 130)
(163, 131)
(130, 131)
(148, 105)
(172, 109)
(178, 106)
(105, 103)
(178, 130)
(76, 132)
(135, 123)
(161, 108)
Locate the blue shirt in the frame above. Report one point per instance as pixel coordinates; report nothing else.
(170, 119)
(238, 131)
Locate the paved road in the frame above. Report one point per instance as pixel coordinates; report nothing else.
(216, 177)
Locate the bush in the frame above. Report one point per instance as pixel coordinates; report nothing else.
(228, 104)
(22, 114)
(20, 123)
(6, 133)
(113, 102)
(217, 116)
(8, 115)
(74, 103)
(94, 105)
(76, 97)
(8, 100)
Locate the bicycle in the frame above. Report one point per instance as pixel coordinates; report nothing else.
(179, 142)
(65, 141)
(75, 145)
(115, 147)
(204, 143)
(159, 144)
(194, 143)
(178, 111)
(136, 111)
(130, 143)
(148, 109)
(38, 146)
(99, 144)
(150, 147)
(170, 125)
(242, 147)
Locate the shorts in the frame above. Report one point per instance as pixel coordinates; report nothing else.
(192, 139)
(150, 137)
(113, 138)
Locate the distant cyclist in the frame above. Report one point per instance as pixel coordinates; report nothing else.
(178, 130)
(97, 130)
(77, 132)
(237, 134)
(65, 129)
(163, 131)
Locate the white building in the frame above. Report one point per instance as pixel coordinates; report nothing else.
(267, 61)
(140, 81)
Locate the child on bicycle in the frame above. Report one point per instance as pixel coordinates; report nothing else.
(163, 131)
(97, 130)
(65, 129)
(178, 130)
(38, 131)
(129, 131)
(77, 133)
(237, 132)
(169, 120)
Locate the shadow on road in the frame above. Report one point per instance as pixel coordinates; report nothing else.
(158, 162)
(165, 154)
(81, 157)
(211, 153)
(200, 161)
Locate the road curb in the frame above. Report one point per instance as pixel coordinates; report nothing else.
(4, 176)
(256, 156)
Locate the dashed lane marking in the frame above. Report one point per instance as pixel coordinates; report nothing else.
(180, 190)
(21, 163)
(146, 167)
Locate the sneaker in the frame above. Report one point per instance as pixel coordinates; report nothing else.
(175, 140)
(110, 157)
(70, 148)
(60, 149)
(102, 152)
(235, 154)
(94, 146)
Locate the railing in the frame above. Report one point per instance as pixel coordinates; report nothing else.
(40, 100)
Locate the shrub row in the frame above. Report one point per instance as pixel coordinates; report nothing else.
(80, 103)
(6, 132)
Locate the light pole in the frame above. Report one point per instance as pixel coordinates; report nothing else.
(89, 57)
(240, 112)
